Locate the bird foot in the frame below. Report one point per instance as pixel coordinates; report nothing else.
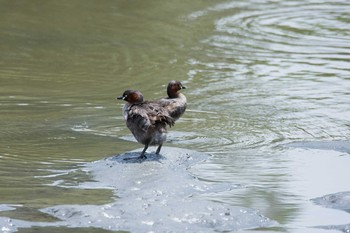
(141, 157)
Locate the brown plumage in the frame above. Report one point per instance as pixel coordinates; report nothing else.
(146, 120)
(176, 102)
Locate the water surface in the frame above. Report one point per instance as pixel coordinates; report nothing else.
(260, 75)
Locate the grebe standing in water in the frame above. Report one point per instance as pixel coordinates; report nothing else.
(147, 120)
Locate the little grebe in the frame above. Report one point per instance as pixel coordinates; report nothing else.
(147, 120)
(176, 102)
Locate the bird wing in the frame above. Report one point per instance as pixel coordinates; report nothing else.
(138, 117)
(158, 114)
(148, 114)
(174, 106)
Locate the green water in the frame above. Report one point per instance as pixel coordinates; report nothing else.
(259, 75)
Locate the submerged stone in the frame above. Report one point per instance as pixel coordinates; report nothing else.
(341, 146)
(340, 201)
(157, 194)
(342, 228)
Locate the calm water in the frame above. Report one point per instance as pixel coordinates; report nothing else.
(260, 75)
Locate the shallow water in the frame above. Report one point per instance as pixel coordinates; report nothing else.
(261, 77)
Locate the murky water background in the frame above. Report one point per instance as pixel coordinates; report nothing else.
(260, 75)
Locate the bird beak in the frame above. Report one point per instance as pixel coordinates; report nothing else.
(120, 98)
(183, 87)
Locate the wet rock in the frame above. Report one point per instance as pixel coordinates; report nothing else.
(339, 201)
(343, 228)
(8, 225)
(5, 207)
(157, 194)
(341, 146)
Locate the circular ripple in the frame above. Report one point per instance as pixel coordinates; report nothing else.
(316, 29)
(274, 68)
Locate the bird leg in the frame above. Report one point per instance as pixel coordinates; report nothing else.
(142, 155)
(158, 149)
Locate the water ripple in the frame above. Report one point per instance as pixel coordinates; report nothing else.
(274, 71)
(296, 29)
